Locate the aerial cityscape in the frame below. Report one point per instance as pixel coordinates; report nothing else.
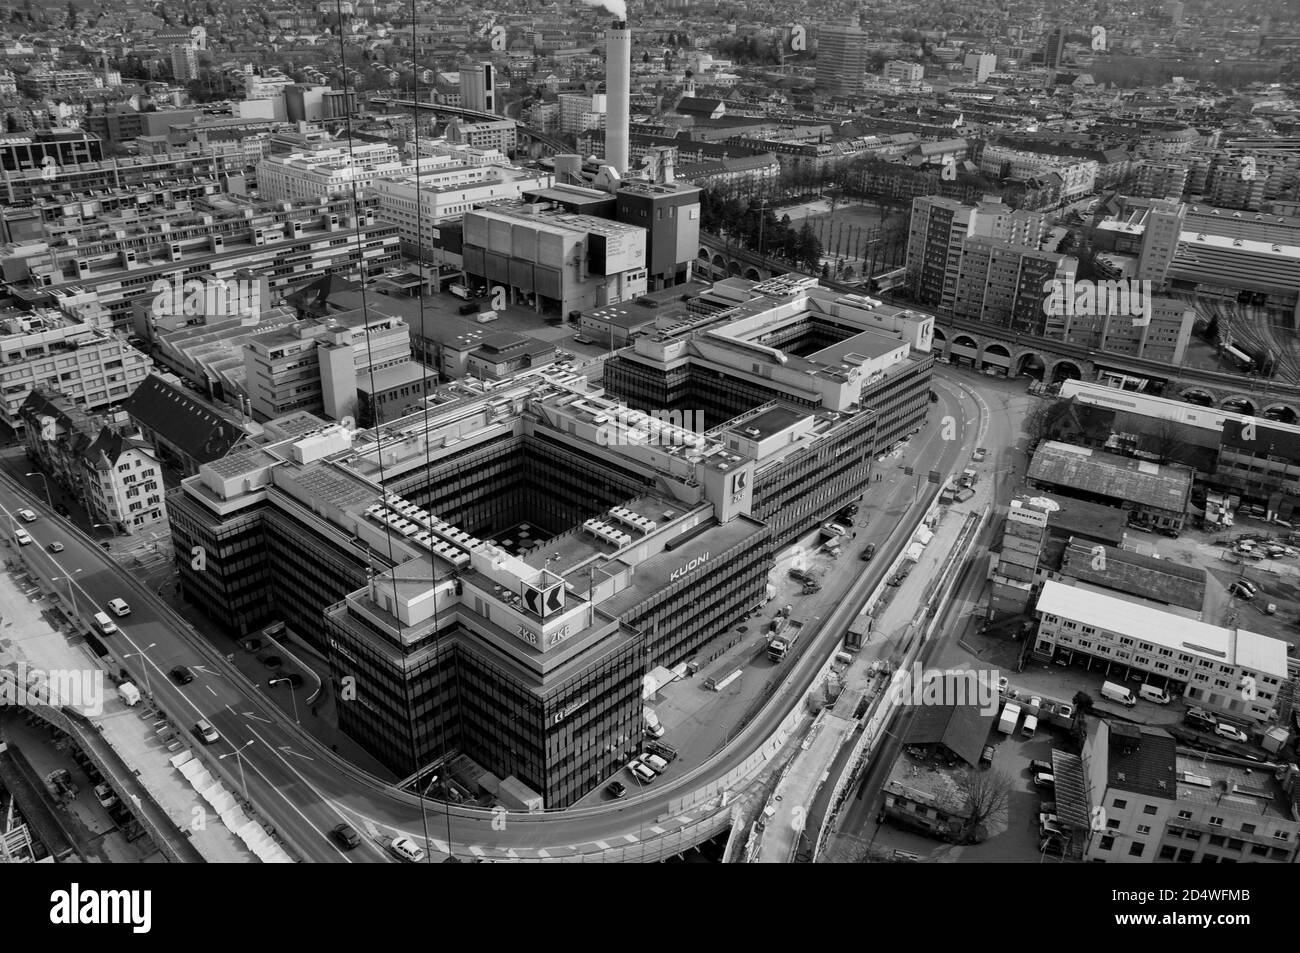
(688, 431)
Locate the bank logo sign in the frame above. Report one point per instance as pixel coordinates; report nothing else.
(544, 602)
(211, 297)
(1126, 297)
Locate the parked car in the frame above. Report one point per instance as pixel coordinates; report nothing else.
(1002, 685)
(1040, 767)
(346, 836)
(1231, 732)
(1201, 720)
(979, 454)
(104, 794)
(654, 731)
(582, 339)
(641, 772)
(1044, 779)
(26, 515)
(986, 756)
(868, 552)
(616, 789)
(181, 675)
(406, 849)
(655, 763)
(1240, 591)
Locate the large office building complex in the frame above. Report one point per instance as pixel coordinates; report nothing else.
(500, 569)
(786, 348)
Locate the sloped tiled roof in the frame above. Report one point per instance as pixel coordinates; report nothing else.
(182, 420)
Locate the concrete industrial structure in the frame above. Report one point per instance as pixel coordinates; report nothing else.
(618, 90)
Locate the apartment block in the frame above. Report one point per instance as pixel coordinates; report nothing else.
(581, 111)
(104, 269)
(501, 134)
(93, 368)
(325, 173)
(1230, 670)
(1003, 284)
(841, 63)
(1157, 804)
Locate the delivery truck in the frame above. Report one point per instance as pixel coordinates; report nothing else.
(1010, 715)
(1118, 693)
(128, 693)
(783, 639)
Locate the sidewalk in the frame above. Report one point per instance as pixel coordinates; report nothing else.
(31, 633)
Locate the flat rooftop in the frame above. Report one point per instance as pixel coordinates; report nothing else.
(1155, 627)
(770, 422)
(1111, 475)
(654, 574)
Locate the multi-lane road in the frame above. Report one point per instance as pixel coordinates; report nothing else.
(305, 790)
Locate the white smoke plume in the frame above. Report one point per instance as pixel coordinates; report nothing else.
(616, 7)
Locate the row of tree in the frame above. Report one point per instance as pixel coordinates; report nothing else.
(755, 226)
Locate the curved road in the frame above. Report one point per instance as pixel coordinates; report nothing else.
(305, 789)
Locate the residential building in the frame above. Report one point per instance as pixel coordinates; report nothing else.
(184, 431)
(501, 134)
(581, 111)
(112, 471)
(326, 172)
(1230, 670)
(841, 63)
(92, 367)
(904, 71)
(1158, 803)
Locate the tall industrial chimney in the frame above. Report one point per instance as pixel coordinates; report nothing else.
(618, 90)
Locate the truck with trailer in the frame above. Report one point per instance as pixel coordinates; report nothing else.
(1010, 716)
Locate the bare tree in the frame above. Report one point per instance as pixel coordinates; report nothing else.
(1043, 421)
(1163, 438)
(982, 797)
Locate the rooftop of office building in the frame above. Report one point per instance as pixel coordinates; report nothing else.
(1210, 781)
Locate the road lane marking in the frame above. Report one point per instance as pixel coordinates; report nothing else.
(601, 844)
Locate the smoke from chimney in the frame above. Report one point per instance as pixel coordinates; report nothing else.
(616, 7)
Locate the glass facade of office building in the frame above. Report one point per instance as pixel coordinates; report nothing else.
(449, 693)
(804, 490)
(222, 563)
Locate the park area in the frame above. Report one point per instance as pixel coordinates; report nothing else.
(854, 233)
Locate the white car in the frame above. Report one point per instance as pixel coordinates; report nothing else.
(24, 538)
(656, 732)
(641, 772)
(1035, 703)
(655, 763)
(119, 607)
(406, 849)
(27, 516)
(1231, 732)
(104, 794)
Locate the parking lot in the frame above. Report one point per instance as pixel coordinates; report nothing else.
(1013, 837)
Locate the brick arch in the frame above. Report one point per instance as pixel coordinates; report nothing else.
(1061, 369)
(1283, 413)
(1241, 404)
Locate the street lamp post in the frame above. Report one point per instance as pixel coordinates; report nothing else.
(72, 595)
(239, 759)
(424, 820)
(45, 483)
(276, 681)
(145, 659)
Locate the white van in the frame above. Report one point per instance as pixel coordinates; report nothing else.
(1118, 693)
(104, 624)
(1152, 694)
